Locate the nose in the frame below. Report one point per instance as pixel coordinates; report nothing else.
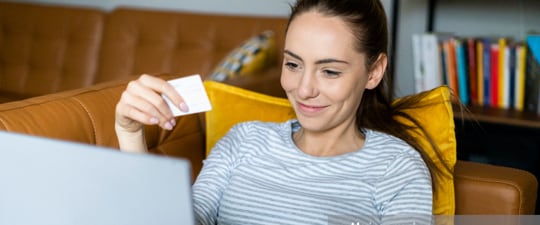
(307, 86)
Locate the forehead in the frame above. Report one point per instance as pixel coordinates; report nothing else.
(319, 24)
(320, 35)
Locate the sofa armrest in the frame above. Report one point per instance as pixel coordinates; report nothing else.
(489, 189)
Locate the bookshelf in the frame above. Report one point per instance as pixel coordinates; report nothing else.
(512, 19)
(491, 135)
(497, 116)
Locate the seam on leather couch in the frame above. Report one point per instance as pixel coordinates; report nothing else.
(4, 124)
(90, 117)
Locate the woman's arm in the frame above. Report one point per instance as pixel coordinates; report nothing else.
(404, 195)
(213, 179)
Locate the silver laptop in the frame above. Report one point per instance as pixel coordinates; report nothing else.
(51, 182)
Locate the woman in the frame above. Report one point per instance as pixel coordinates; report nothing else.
(345, 159)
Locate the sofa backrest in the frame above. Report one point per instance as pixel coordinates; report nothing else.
(46, 49)
(140, 41)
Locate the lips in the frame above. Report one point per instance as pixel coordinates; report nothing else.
(310, 109)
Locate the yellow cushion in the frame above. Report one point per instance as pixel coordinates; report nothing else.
(252, 56)
(232, 105)
(434, 113)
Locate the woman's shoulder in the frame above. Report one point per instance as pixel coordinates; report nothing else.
(396, 156)
(378, 138)
(390, 146)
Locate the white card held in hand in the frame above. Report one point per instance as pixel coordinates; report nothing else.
(192, 91)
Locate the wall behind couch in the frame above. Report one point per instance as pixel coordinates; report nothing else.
(278, 8)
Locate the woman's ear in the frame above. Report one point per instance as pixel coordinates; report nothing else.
(377, 71)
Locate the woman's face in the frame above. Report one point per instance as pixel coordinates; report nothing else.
(323, 75)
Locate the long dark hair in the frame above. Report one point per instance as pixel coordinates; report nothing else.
(378, 109)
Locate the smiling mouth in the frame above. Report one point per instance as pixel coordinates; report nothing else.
(310, 108)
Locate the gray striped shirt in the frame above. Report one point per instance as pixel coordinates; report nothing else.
(256, 175)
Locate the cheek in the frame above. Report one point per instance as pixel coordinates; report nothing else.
(288, 81)
(349, 95)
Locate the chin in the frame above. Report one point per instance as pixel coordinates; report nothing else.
(311, 123)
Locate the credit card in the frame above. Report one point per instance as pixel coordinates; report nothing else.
(192, 90)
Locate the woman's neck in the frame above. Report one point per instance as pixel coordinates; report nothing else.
(334, 142)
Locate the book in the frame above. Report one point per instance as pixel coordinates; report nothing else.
(418, 64)
(521, 53)
(450, 62)
(532, 83)
(480, 72)
(502, 74)
(510, 97)
(494, 75)
(462, 76)
(432, 59)
(472, 71)
(427, 60)
(486, 65)
(443, 63)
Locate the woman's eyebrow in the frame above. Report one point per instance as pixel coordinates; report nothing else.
(322, 61)
(292, 54)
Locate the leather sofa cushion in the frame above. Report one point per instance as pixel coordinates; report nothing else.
(47, 49)
(139, 41)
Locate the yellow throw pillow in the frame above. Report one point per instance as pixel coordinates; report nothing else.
(252, 56)
(434, 113)
(231, 105)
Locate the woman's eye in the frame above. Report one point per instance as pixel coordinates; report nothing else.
(291, 66)
(332, 73)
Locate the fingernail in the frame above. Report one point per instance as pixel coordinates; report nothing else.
(173, 122)
(184, 107)
(154, 120)
(167, 126)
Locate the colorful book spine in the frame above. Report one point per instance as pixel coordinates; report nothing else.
(450, 54)
(462, 76)
(486, 64)
(502, 74)
(504, 80)
(532, 82)
(521, 53)
(494, 77)
(511, 78)
(444, 69)
(472, 70)
(480, 72)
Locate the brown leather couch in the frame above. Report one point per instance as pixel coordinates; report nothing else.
(135, 41)
(49, 48)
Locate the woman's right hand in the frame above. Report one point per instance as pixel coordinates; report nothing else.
(142, 103)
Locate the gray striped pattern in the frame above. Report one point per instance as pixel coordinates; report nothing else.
(256, 175)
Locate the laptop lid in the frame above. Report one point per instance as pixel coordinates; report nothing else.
(47, 181)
